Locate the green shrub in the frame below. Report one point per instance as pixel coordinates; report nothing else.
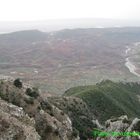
(56, 132)
(32, 93)
(48, 129)
(46, 105)
(28, 91)
(4, 96)
(75, 132)
(62, 113)
(18, 83)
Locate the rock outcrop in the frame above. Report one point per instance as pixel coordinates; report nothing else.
(25, 115)
(15, 124)
(78, 111)
(122, 125)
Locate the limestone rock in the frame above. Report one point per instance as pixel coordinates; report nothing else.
(15, 124)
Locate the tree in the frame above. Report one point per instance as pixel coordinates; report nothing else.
(18, 83)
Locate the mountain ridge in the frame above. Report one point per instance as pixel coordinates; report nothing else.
(122, 98)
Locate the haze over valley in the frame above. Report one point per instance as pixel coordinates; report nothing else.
(58, 60)
(68, 23)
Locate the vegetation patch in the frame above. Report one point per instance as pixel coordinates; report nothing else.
(107, 98)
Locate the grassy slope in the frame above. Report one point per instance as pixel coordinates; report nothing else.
(107, 99)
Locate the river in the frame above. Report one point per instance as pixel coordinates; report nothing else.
(132, 68)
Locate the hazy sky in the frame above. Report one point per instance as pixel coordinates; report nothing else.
(25, 10)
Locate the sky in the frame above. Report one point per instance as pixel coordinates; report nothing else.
(30, 10)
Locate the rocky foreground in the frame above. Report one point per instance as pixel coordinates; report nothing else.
(121, 124)
(25, 115)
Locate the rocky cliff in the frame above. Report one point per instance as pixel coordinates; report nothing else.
(25, 115)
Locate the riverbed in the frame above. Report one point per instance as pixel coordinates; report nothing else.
(132, 68)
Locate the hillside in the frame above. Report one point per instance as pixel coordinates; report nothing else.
(107, 99)
(15, 124)
(25, 115)
(56, 61)
(23, 36)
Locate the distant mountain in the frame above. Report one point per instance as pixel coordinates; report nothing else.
(60, 24)
(23, 36)
(62, 59)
